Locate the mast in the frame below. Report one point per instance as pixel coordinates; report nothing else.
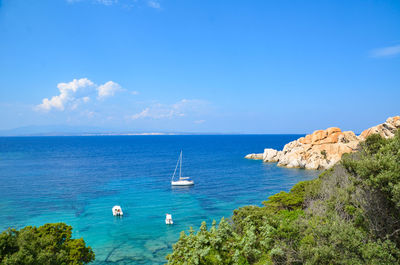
(180, 166)
(176, 167)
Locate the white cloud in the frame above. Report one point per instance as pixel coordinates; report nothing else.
(143, 114)
(158, 111)
(88, 114)
(77, 92)
(107, 2)
(154, 4)
(199, 121)
(162, 111)
(386, 51)
(67, 95)
(108, 89)
(135, 93)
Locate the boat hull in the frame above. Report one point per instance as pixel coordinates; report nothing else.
(182, 183)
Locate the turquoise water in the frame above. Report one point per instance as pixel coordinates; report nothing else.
(77, 180)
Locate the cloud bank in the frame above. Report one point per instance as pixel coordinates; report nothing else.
(83, 101)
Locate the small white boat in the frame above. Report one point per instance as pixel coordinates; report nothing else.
(117, 211)
(168, 219)
(182, 181)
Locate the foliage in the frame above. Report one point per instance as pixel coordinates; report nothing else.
(47, 244)
(324, 154)
(288, 201)
(379, 166)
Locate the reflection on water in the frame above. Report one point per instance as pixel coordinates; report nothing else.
(182, 189)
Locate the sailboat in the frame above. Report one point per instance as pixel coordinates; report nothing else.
(182, 181)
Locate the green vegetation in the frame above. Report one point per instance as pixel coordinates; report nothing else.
(349, 215)
(324, 154)
(47, 244)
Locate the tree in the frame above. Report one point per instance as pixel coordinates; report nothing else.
(47, 244)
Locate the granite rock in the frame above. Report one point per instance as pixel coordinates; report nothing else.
(323, 148)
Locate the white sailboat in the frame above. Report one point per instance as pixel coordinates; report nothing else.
(182, 181)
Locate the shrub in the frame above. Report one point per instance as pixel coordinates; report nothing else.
(47, 244)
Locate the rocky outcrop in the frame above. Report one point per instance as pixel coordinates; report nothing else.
(254, 156)
(323, 148)
(386, 129)
(271, 155)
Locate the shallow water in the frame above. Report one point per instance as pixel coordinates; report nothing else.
(77, 180)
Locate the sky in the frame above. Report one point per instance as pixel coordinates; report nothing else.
(199, 66)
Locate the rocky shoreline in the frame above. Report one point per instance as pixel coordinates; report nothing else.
(323, 148)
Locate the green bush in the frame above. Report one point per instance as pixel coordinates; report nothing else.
(47, 244)
(289, 200)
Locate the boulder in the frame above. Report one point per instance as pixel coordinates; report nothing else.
(385, 130)
(271, 155)
(254, 156)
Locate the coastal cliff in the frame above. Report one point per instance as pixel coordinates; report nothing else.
(323, 148)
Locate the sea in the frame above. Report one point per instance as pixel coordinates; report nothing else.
(78, 179)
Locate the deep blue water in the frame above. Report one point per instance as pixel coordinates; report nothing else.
(77, 180)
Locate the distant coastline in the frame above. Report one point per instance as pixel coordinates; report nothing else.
(132, 134)
(31, 131)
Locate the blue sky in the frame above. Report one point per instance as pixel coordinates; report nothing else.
(199, 66)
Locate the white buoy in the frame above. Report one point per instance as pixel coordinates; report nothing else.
(168, 219)
(117, 211)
